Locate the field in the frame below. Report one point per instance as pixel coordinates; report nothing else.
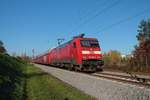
(22, 81)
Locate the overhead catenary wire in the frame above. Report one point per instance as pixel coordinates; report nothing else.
(97, 14)
(93, 10)
(124, 20)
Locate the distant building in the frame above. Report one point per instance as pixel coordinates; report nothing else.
(123, 56)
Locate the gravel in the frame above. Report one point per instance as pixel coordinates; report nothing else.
(100, 88)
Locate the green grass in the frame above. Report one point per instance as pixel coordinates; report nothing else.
(22, 81)
(42, 86)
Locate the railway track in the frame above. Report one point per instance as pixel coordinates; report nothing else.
(140, 81)
(130, 79)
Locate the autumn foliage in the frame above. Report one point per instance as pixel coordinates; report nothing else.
(139, 60)
(142, 50)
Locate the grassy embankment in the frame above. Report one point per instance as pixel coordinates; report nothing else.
(22, 81)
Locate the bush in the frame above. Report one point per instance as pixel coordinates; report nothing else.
(11, 76)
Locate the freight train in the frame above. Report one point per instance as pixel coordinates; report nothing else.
(79, 54)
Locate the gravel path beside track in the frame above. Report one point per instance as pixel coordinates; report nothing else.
(100, 88)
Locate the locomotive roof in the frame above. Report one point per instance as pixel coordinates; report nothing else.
(63, 45)
(88, 38)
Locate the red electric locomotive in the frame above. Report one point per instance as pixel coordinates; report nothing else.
(80, 53)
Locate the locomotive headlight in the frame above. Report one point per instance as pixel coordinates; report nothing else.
(91, 52)
(97, 52)
(85, 52)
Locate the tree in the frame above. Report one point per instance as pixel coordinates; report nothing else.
(2, 48)
(142, 50)
(112, 58)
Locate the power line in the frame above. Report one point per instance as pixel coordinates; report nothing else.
(100, 12)
(124, 20)
(93, 10)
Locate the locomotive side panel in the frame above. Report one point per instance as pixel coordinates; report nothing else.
(82, 54)
(75, 52)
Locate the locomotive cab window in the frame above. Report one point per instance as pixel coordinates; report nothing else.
(89, 43)
(74, 44)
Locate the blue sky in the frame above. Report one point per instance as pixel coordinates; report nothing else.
(28, 24)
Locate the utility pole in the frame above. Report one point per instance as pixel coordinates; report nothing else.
(33, 53)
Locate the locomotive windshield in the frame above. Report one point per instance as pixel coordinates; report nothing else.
(89, 43)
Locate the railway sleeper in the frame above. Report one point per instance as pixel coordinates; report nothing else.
(142, 80)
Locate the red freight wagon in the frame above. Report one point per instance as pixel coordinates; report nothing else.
(80, 53)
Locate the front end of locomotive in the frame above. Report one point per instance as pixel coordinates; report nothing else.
(91, 55)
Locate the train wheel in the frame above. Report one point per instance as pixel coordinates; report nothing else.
(100, 70)
(76, 68)
(70, 67)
